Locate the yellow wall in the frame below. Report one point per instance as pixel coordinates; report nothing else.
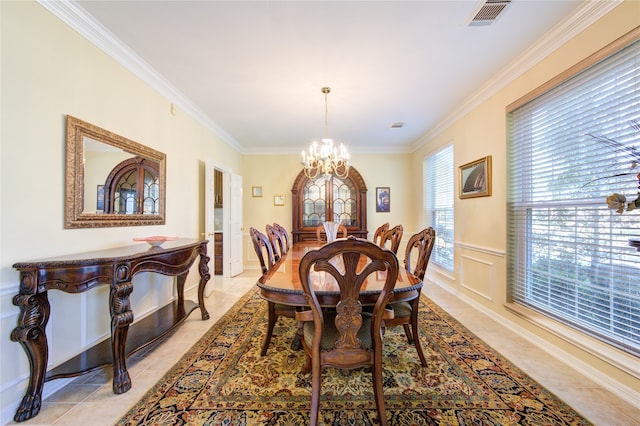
(480, 223)
(276, 175)
(48, 71)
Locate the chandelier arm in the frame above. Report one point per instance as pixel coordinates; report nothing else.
(326, 158)
(311, 172)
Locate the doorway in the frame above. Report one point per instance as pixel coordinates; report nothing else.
(223, 220)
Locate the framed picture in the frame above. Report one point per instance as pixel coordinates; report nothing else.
(475, 178)
(100, 198)
(278, 200)
(383, 200)
(256, 191)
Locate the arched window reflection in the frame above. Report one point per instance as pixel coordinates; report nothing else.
(133, 187)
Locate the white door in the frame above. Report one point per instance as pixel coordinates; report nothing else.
(209, 217)
(235, 225)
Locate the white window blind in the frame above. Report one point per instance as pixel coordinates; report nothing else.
(438, 176)
(568, 150)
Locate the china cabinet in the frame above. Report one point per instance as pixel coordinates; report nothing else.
(342, 200)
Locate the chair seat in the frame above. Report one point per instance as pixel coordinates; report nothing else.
(282, 307)
(402, 309)
(331, 333)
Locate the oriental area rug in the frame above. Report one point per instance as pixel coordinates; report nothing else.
(223, 380)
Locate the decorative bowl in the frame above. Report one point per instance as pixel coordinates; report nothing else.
(156, 240)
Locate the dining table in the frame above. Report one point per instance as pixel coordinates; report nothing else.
(281, 283)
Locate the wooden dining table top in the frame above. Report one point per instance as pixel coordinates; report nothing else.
(281, 284)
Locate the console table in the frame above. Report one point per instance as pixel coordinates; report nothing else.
(78, 273)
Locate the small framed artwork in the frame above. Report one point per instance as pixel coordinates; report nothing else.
(475, 178)
(256, 191)
(383, 200)
(278, 200)
(100, 198)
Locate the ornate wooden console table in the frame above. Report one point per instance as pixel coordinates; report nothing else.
(78, 273)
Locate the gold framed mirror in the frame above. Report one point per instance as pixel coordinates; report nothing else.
(111, 180)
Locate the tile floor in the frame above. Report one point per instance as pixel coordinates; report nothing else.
(89, 400)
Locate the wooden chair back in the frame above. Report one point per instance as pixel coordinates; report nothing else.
(320, 231)
(284, 235)
(278, 243)
(422, 244)
(262, 246)
(393, 236)
(346, 339)
(377, 236)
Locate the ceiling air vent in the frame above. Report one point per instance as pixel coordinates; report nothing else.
(488, 12)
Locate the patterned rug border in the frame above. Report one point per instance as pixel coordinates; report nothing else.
(164, 385)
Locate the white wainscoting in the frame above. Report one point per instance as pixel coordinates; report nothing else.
(477, 271)
(478, 276)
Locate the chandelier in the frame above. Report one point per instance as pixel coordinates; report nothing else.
(325, 158)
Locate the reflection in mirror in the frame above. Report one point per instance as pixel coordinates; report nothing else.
(111, 180)
(99, 161)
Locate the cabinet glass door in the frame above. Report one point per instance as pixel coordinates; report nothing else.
(314, 203)
(344, 202)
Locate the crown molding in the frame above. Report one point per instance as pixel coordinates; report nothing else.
(82, 22)
(582, 18)
(79, 20)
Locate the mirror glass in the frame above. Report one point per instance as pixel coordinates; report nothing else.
(111, 180)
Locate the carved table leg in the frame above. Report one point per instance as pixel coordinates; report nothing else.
(121, 317)
(203, 268)
(30, 333)
(180, 281)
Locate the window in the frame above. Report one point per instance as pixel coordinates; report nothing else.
(438, 204)
(569, 148)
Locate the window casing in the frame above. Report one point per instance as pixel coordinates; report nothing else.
(438, 176)
(568, 149)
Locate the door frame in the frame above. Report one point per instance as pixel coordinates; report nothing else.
(226, 226)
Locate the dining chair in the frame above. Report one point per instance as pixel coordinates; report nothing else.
(277, 241)
(377, 236)
(321, 229)
(344, 338)
(406, 313)
(261, 244)
(285, 236)
(393, 236)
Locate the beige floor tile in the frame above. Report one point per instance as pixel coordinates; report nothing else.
(600, 406)
(73, 393)
(94, 414)
(50, 412)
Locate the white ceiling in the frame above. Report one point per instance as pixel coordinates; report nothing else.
(253, 70)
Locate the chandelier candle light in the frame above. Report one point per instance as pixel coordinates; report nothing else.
(325, 158)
